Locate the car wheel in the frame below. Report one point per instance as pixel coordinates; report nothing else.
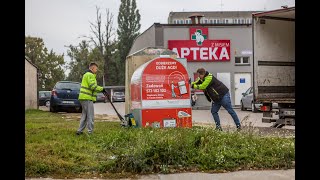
(253, 107)
(242, 107)
(47, 103)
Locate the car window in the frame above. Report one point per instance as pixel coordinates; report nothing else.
(248, 91)
(41, 94)
(44, 94)
(100, 95)
(118, 94)
(251, 90)
(68, 85)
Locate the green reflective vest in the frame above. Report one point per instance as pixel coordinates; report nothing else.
(89, 87)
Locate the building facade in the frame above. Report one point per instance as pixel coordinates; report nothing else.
(31, 85)
(212, 17)
(224, 49)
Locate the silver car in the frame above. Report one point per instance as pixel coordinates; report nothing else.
(247, 101)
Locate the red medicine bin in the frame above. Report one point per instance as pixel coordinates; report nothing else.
(160, 94)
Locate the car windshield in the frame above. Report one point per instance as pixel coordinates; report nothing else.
(118, 94)
(68, 85)
(100, 95)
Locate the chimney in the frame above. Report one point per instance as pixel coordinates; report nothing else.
(195, 18)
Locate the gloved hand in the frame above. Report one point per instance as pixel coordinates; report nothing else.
(192, 86)
(104, 90)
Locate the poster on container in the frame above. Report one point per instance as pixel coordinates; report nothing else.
(165, 83)
(199, 48)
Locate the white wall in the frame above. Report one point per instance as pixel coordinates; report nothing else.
(31, 97)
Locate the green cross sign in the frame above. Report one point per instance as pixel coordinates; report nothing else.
(193, 37)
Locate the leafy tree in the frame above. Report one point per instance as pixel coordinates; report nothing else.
(79, 61)
(49, 63)
(128, 29)
(81, 56)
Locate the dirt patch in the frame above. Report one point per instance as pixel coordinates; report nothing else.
(97, 117)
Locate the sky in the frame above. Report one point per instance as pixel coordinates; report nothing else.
(64, 22)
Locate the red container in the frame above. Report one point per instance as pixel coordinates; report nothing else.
(160, 94)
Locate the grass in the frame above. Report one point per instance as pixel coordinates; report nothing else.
(53, 149)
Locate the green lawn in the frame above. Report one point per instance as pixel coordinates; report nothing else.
(53, 150)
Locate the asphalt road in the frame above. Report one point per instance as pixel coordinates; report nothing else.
(247, 118)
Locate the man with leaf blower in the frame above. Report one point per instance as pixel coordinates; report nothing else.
(88, 95)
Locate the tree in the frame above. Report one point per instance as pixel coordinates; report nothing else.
(79, 61)
(103, 42)
(81, 56)
(50, 64)
(128, 29)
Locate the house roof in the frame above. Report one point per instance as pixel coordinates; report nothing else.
(27, 58)
(288, 13)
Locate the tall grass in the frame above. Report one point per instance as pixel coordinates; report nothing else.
(53, 149)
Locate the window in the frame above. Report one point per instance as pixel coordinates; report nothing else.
(238, 60)
(242, 21)
(174, 21)
(218, 21)
(226, 21)
(67, 86)
(214, 21)
(206, 21)
(251, 90)
(245, 60)
(248, 91)
(181, 22)
(242, 60)
(211, 21)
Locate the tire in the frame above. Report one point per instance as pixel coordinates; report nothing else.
(253, 108)
(242, 107)
(47, 103)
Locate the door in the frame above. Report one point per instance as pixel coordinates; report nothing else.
(242, 82)
(225, 79)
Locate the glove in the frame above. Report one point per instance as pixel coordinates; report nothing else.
(103, 90)
(192, 86)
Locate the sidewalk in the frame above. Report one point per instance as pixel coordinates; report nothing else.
(238, 175)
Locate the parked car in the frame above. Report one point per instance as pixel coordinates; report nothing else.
(44, 98)
(101, 98)
(247, 101)
(118, 97)
(64, 97)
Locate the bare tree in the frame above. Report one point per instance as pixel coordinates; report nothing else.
(104, 40)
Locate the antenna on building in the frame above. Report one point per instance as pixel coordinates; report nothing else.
(221, 4)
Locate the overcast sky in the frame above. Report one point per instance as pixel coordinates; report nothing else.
(61, 22)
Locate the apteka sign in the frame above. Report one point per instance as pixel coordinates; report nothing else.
(199, 48)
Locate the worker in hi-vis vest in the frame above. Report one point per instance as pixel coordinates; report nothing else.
(88, 95)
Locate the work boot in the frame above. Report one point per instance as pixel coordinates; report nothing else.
(78, 133)
(238, 127)
(218, 128)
